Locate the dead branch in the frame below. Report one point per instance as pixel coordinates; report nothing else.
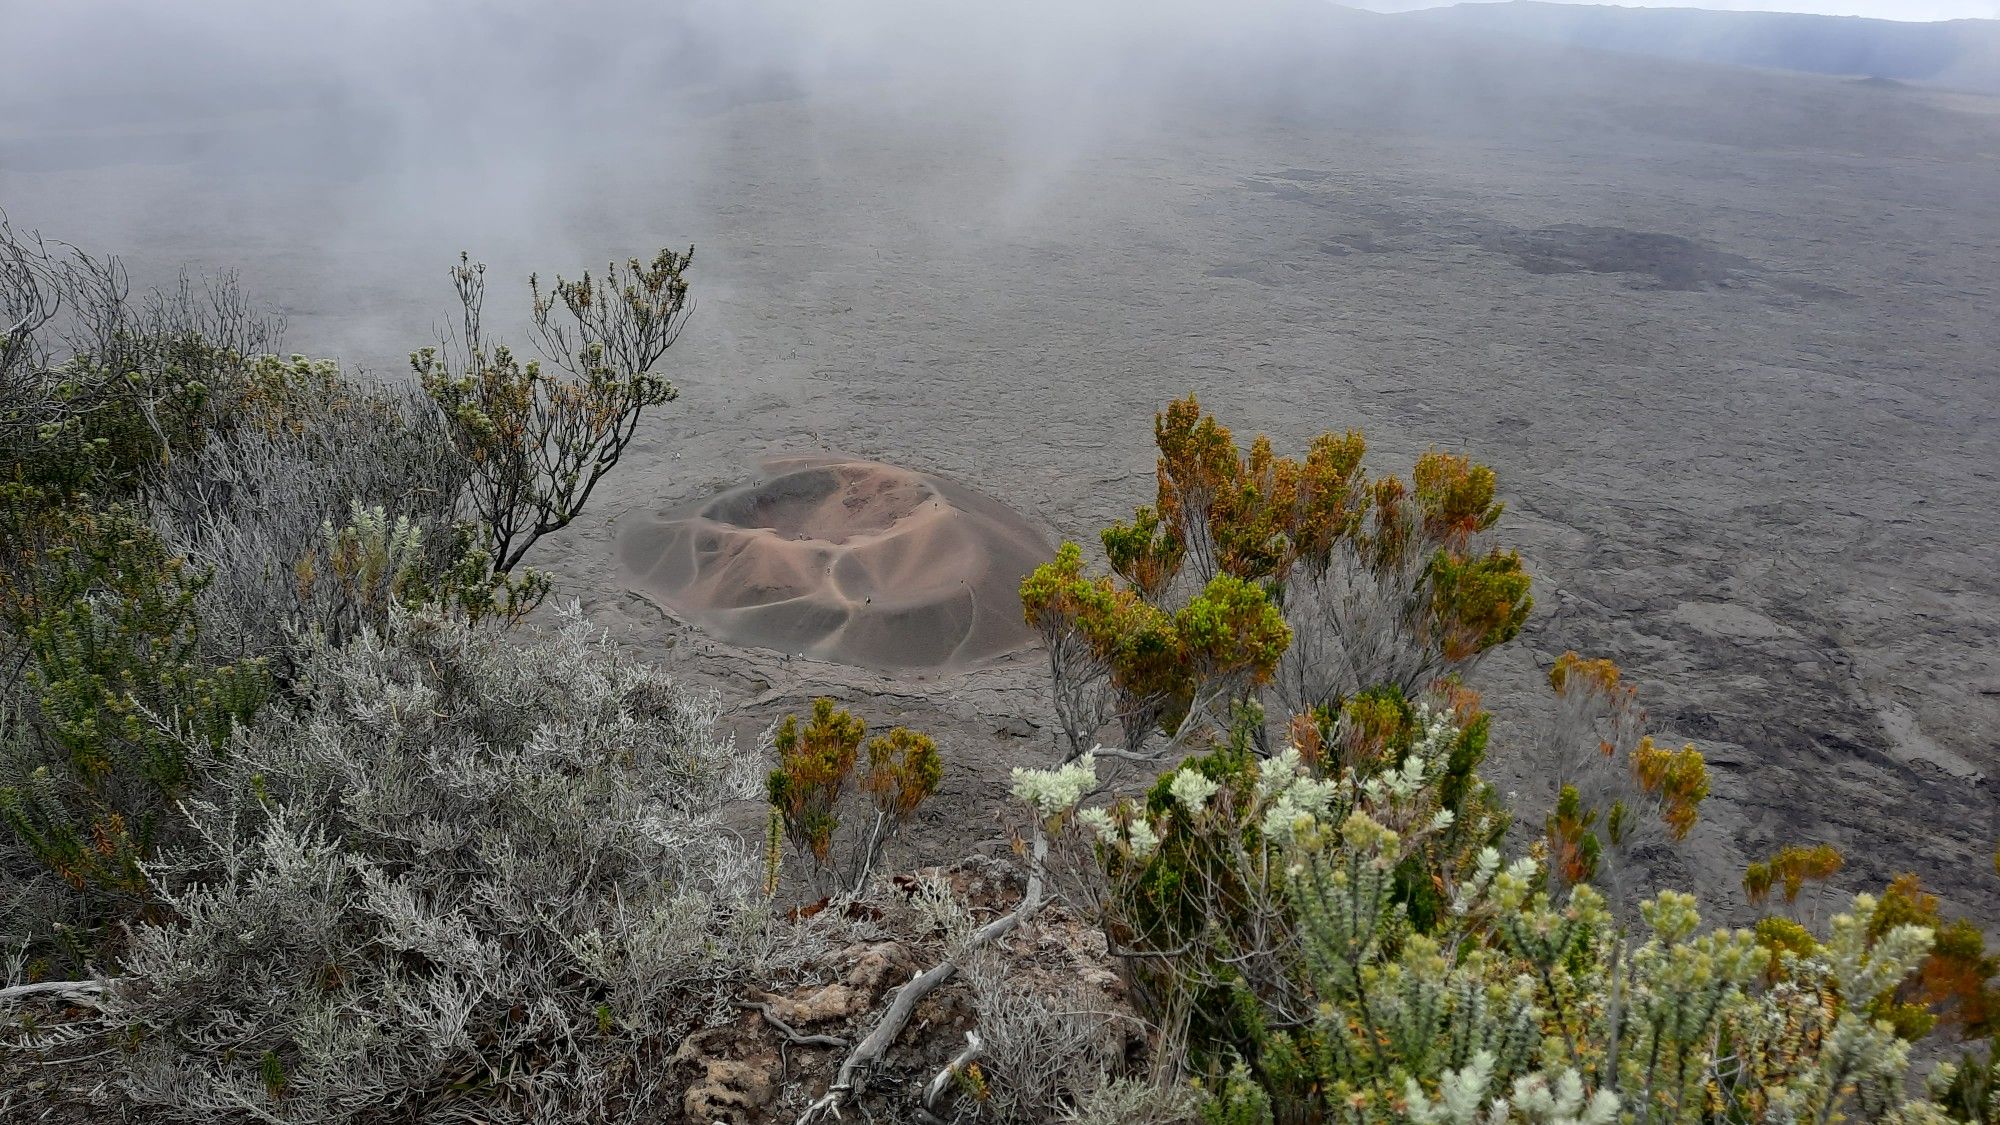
(856, 1067)
(952, 1069)
(72, 989)
(789, 1032)
(1126, 755)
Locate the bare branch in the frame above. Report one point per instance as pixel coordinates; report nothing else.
(71, 989)
(791, 1034)
(952, 1070)
(854, 1070)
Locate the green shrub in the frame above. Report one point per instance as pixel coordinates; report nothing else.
(539, 439)
(178, 507)
(97, 388)
(278, 503)
(1196, 895)
(120, 705)
(1271, 920)
(1255, 574)
(1331, 933)
(815, 763)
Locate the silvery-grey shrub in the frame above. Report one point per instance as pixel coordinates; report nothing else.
(254, 503)
(1046, 1045)
(470, 874)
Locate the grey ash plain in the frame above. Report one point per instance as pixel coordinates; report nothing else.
(1728, 337)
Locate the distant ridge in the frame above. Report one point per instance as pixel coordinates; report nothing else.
(1964, 54)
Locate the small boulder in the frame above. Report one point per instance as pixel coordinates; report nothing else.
(729, 1091)
(879, 967)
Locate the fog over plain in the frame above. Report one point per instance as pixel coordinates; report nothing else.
(1869, 9)
(1726, 335)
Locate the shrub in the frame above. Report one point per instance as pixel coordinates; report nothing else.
(272, 505)
(1617, 794)
(1321, 582)
(1044, 1045)
(1195, 897)
(1789, 871)
(467, 873)
(1132, 1101)
(1310, 990)
(1953, 986)
(176, 505)
(1074, 617)
(815, 763)
(538, 441)
(1380, 583)
(1331, 932)
(118, 707)
(1969, 1090)
(114, 679)
(1114, 653)
(97, 387)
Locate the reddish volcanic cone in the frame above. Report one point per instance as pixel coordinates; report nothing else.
(846, 560)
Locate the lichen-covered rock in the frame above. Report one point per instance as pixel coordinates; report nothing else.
(872, 969)
(731, 1075)
(730, 1090)
(879, 967)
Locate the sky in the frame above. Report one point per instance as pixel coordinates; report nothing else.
(1879, 9)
